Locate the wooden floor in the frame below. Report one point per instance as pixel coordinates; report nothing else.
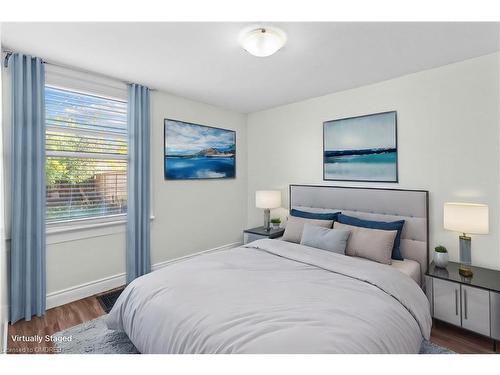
(54, 320)
(86, 309)
(461, 341)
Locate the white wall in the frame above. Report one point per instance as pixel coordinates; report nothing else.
(189, 216)
(448, 142)
(195, 215)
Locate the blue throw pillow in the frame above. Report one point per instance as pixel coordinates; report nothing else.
(393, 225)
(315, 215)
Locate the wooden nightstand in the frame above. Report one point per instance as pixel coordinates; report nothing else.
(258, 233)
(470, 303)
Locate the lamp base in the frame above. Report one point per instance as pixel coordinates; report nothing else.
(465, 256)
(267, 219)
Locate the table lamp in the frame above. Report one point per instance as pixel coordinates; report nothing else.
(267, 199)
(467, 218)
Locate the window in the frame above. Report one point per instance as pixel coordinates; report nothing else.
(86, 155)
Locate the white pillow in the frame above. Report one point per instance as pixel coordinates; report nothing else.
(295, 225)
(373, 244)
(334, 240)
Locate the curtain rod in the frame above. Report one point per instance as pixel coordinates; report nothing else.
(69, 67)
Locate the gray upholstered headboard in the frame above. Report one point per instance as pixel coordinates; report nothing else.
(375, 204)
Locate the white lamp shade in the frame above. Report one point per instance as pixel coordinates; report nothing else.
(268, 198)
(469, 218)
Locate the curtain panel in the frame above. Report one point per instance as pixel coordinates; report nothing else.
(138, 209)
(27, 252)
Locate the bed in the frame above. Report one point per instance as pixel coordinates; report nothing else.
(273, 296)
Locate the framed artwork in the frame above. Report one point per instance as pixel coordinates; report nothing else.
(194, 152)
(362, 148)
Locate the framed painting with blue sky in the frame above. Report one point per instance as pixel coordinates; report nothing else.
(362, 148)
(194, 152)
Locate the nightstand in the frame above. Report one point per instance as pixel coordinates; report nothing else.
(258, 233)
(471, 303)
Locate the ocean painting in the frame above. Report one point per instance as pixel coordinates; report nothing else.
(195, 151)
(361, 148)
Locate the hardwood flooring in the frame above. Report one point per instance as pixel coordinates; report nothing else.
(54, 320)
(86, 309)
(461, 341)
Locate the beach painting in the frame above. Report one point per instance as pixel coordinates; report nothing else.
(361, 148)
(194, 152)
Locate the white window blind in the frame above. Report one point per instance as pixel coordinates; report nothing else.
(86, 155)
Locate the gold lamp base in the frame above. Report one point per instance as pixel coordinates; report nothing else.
(465, 271)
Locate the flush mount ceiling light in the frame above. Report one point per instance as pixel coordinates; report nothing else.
(262, 41)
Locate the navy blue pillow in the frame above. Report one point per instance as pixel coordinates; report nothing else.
(393, 225)
(315, 215)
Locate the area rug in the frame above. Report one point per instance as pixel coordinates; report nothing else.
(93, 337)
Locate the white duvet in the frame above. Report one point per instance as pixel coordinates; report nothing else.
(273, 297)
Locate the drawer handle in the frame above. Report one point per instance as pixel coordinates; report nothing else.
(456, 302)
(465, 303)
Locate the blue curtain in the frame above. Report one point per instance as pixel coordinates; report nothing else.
(27, 252)
(138, 258)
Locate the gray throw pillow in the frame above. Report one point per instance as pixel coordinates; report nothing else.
(295, 225)
(373, 244)
(334, 240)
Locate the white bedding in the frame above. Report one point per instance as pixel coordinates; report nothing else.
(273, 297)
(408, 267)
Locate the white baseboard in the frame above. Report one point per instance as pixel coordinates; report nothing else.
(64, 296)
(159, 265)
(3, 339)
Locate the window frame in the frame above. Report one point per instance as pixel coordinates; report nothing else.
(84, 223)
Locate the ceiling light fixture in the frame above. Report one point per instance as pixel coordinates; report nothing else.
(262, 41)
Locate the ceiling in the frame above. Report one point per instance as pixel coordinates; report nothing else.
(203, 61)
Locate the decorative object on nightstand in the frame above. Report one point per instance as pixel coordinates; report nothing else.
(441, 256)
(267, 199)
(259, 233)
(467, 218)
(275, 222)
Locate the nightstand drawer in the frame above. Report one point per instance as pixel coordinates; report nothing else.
(446, 301)
(495, 315)
(476, 309)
